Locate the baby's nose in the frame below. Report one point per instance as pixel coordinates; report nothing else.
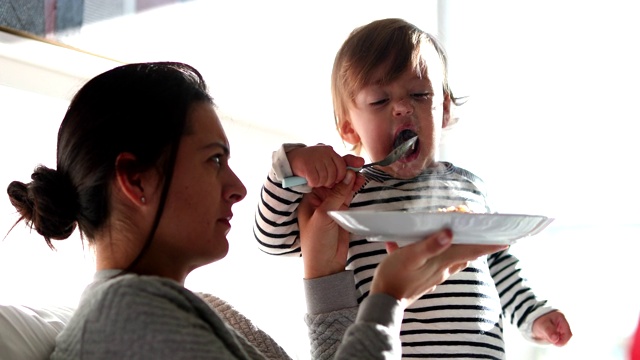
(402, 107)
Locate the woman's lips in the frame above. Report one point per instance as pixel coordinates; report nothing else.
(226, 220)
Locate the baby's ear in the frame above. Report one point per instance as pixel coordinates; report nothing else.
(348, 133)
(446, 110)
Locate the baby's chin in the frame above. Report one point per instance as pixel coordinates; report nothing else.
(408, 170)
(403, 170)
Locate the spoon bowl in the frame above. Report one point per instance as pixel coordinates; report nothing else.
(393, 156)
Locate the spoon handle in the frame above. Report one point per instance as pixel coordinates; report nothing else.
(389, 159)
(292, 181)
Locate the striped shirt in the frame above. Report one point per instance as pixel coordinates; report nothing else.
(463, 317)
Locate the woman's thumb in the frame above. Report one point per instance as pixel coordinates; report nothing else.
(340, 193)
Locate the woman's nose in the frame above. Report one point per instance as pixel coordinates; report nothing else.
(236, 190)
(402, 107)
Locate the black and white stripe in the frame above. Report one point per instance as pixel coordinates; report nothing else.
(461, 318)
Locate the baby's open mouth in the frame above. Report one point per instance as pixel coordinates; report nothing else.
(403, 136)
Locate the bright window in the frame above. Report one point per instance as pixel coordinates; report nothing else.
(550, 126)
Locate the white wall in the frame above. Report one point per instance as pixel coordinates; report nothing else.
(550, 125)
(36, 81)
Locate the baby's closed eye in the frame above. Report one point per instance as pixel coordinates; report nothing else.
(379, 102)
(423, 95)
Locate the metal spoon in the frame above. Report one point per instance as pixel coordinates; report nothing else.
(393, 156)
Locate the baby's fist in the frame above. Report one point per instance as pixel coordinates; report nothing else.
(552, 328)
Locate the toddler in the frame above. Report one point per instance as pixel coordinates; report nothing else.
(389, 84)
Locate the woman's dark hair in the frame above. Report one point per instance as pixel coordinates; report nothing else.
(136, 108)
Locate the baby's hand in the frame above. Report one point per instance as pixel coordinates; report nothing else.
(320, 165)
(553, 328)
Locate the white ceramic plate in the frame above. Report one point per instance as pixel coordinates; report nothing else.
(468, 228)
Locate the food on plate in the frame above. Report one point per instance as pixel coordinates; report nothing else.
(459, 208)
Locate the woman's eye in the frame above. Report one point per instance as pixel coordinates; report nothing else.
(217, 159)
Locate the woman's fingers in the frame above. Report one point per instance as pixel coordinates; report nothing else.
(435, 244)
(391, 246)
(469, 252)
(324, 245)
(403, 275)
(410, 271)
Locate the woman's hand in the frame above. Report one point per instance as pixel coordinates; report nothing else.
(409, 272)
(406, 274)
(324, 244)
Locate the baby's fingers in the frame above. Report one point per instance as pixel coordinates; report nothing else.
(552, 327)
(353, 161)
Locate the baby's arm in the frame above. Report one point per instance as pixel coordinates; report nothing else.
(520, 305)
(276, 221)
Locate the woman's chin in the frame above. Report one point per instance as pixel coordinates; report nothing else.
(220, 250)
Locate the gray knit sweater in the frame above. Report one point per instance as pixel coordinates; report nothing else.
(147, 317)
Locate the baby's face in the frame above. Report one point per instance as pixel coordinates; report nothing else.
(383, 116)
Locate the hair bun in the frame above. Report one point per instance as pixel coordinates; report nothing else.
(49, 204)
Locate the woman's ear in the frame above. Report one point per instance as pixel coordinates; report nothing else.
(446, 110)
(130, 180)
(348, 133)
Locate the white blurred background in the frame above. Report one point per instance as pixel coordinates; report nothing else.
(550, 126)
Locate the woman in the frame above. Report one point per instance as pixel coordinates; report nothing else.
(142, 170)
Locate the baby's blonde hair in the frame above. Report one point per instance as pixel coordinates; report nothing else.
(393, 43)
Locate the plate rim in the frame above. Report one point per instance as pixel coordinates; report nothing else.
(337, 215)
